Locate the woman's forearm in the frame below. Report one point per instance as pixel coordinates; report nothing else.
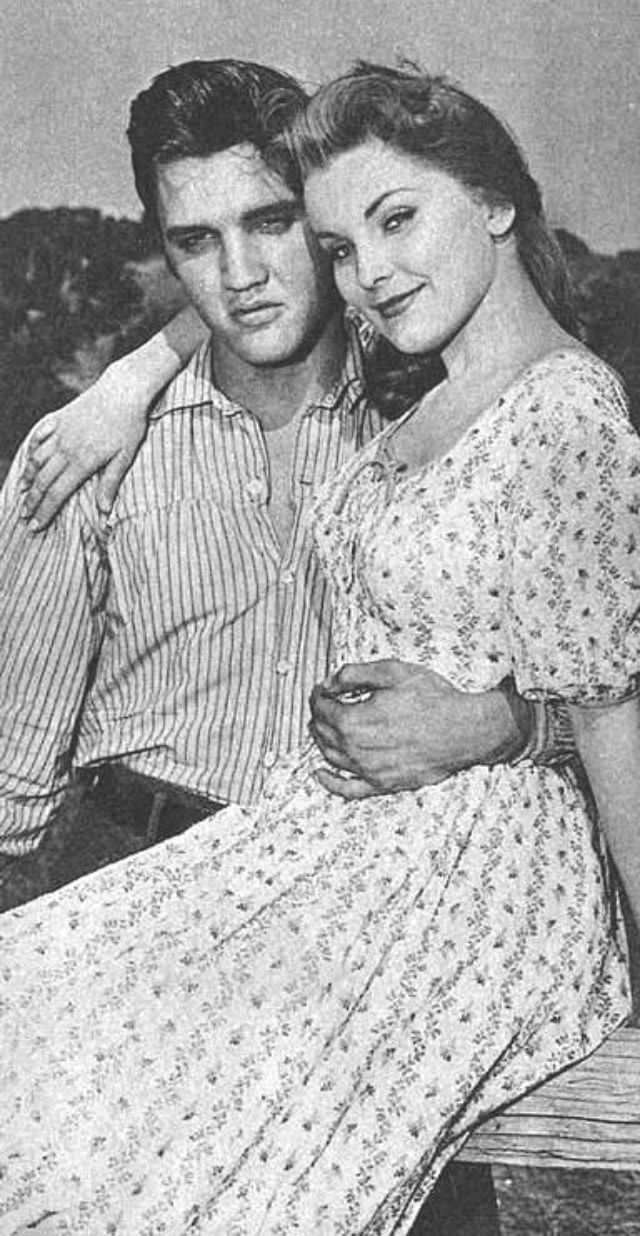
(608, 740)
(156, 361)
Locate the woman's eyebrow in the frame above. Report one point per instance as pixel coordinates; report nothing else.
(371, 210)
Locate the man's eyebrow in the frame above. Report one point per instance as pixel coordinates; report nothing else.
(286, 207)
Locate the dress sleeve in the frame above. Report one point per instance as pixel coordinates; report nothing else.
(572, 537)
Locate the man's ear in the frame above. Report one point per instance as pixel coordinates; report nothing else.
(500, 218)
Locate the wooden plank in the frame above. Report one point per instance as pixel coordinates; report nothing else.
(588, 1116)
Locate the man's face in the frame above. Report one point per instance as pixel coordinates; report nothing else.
(237, 239)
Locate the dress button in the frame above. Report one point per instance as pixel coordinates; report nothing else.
(269, 759)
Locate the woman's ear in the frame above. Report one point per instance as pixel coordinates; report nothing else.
(500, 218)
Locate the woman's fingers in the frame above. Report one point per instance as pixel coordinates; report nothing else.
(40, 494)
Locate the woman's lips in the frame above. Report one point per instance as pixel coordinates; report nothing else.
(395, 305)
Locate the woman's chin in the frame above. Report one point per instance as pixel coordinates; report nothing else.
(411, 339)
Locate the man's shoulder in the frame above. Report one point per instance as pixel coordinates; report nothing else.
(193, 387)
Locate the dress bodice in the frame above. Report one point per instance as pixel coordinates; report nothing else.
(495, 558)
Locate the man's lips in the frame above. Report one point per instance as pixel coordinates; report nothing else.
(263, 311)
(395, 305)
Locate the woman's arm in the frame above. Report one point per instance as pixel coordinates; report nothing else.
(608, 739)
(105, 425)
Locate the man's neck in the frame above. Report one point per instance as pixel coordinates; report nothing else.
(276, 394)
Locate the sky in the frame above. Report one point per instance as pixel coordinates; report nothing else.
(565, 74)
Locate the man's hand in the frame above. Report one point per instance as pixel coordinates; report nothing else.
(101, 429)
(389, 726)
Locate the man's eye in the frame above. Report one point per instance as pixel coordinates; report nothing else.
(397, 218)
(277, 225)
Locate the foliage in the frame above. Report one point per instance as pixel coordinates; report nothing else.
(67, 287)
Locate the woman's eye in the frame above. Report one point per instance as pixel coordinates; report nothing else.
(395, 220)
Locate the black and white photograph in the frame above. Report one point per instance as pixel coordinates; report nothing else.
(320, 618)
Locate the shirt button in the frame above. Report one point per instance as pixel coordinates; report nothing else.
(283, 667)
(254, 489)
(287, 577)
(269, 759)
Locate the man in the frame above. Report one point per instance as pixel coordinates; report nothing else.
(167, 649)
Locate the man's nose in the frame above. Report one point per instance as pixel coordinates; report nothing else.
(242, 264)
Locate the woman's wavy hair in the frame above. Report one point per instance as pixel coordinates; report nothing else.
(430, 118)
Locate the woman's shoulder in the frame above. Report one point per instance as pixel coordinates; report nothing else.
(572, 380)
(569, 396)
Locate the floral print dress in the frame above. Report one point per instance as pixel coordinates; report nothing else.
(288, 1019)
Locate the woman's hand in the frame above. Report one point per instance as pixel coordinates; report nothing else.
(101, 429)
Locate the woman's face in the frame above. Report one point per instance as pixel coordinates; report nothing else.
(412, 249)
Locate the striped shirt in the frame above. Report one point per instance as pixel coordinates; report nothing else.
(175, 635)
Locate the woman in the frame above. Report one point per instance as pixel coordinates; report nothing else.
(290, 1019)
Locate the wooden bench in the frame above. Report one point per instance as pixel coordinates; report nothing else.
(588, 1116)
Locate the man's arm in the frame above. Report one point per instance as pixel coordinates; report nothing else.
(104, 426)
(405, 727)
(50, 630)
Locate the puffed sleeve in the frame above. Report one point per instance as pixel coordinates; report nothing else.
(572, 538)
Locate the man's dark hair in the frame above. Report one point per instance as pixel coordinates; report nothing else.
(203, 107)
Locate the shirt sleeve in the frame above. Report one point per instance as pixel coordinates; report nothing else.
(51, 584)
(572, 543)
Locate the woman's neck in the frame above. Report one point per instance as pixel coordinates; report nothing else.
(510, 329)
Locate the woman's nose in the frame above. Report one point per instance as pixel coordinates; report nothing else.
(372, 267)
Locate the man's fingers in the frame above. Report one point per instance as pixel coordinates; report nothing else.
(334, 754)
(345, 787)
(370, 676)
(325, 708)
(324, 735)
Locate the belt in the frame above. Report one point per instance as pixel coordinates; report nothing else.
(151, 808)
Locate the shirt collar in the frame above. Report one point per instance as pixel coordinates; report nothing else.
(194, 386)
